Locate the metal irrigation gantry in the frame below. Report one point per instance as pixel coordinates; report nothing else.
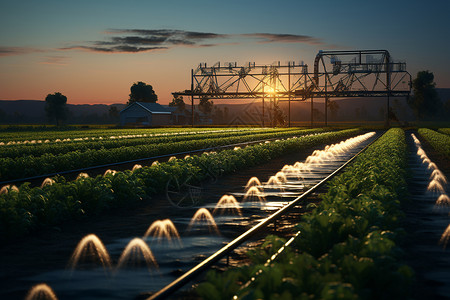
(336, 74)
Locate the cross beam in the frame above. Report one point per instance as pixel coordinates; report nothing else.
(336, 74)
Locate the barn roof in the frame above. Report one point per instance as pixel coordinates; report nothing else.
(153, 108)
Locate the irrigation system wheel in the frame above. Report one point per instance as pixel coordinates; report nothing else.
(182, 195)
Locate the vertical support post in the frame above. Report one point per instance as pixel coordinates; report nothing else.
(192, 97)
(388, 86)
(326, 103)
(289, 94)
(272, 110)
(388, 121)
(263, 115)
(311, 89)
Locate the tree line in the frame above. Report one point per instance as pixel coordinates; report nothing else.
(424, 102)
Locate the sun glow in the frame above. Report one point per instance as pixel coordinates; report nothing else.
(270, 90)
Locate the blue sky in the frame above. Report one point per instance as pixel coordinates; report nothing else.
(82, 48)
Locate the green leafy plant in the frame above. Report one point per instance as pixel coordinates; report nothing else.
(439, 141)
(80, 156)
(348, 245)
(31, 208)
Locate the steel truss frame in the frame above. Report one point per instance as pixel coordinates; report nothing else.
(336, 74)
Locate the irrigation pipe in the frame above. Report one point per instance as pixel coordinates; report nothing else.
(267, 263)
(208, 262)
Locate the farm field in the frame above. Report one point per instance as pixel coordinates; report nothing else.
(224, 150)
(130, 232)
(26, 159)
(439, 140)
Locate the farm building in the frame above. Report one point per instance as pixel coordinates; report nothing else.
(146, 114)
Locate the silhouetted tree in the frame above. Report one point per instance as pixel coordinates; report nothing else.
(278, 115)
(392, 115)
(425, 102)
(218, 116)
(333, 106)
(55, 107)
(318, 115)
(178, 102)
(142, 92)
(205, 105)
(113, 113)
(225, 114)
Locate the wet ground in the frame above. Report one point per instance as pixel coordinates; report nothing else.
(44, 256)
(425, 223)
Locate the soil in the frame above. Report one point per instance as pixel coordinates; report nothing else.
(424, 225)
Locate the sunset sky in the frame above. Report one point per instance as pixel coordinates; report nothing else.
(93, 51)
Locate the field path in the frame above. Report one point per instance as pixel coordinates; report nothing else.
(425, 223)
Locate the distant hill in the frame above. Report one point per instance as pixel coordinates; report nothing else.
(444, 94)
(33, 112)
(28, 111)
(350, 109)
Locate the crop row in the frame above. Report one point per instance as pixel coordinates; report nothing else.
(347, 247)
(36, 137)
(439, 141)
(115, 134)
(28, 208)
(26, 166)
(19, 150)
(444, 130)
